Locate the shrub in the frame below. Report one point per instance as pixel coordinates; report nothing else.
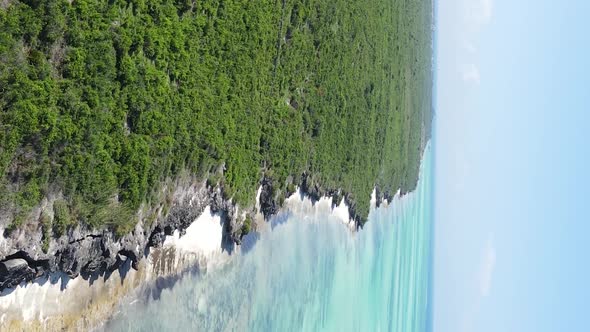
(61, 217)
(246, 226)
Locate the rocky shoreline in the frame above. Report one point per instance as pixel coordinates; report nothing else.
(94, 254)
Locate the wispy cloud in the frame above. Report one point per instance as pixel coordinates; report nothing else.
(480, 12)
(470, 73)
(476, 14)
(487, 267)
(486, 272)
(487, 7)
(470, 47)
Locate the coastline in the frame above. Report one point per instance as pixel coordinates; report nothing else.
(176, 247)
(301, 263)
(142, 168)
(56, 301)
(26, 257)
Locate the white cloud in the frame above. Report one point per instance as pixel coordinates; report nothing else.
(487, 267)
(479, 12)
(475, 15)
(470, 73)
(487, 6)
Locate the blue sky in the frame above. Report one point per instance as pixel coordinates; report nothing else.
(512, 248)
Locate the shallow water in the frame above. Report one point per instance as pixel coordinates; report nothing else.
(310, 273)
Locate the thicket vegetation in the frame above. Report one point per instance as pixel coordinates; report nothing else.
(103, 100)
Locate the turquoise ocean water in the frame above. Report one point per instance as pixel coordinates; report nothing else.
(312, 276)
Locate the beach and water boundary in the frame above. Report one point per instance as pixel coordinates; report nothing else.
(303, 267)
(307, 272)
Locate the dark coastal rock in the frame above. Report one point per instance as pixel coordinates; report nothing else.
(67, 261)
(268, 202)
(125, 255)
(315, 191)
(381, 195)
(156, 238)
(14, 271)
(90, 253)
(309, 188)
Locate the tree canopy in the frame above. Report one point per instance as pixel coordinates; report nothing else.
(104, 100)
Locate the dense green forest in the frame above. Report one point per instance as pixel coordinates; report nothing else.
(104, 100)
